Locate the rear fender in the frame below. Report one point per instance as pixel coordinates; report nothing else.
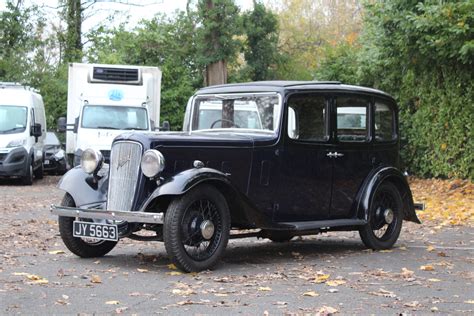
(83, 188)
(374, 180)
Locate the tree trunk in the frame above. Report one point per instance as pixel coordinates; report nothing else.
(216, 73)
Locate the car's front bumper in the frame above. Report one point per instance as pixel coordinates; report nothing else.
(14, 162)
(118, 216)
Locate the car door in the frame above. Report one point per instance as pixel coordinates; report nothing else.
(351, 153)
(305, 174)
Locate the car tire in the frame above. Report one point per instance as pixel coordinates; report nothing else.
(27, 179)
(77, 245)
(39, 172)
(196, 229)
(385, 218)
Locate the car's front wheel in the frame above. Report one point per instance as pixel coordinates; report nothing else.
(196, 229)
(82, 247)
(385, 218)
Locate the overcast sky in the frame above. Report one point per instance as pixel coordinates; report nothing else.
(137, 12)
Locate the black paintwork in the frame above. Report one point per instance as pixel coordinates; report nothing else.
(271, 180)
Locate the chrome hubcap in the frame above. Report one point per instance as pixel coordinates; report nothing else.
(388, 216)
(207, 229)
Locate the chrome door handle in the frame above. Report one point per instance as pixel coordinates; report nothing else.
(334, 154)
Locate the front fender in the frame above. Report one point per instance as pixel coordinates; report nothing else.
(185, 181)
(374, 180)
(82, 188)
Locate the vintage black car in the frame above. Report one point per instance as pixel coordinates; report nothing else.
(271, 159)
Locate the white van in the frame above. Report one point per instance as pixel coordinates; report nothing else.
(22, 132)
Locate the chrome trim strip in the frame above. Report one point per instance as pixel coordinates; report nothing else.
(132, 217)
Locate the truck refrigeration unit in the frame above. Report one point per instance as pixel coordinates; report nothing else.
(106, 100)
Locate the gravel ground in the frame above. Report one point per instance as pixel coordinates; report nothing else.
(431, 270)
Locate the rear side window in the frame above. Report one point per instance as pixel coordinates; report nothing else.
(307, 118)
(352, 119)
(384, 122)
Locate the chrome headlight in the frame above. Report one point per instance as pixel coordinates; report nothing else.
(152, 163)
(91, 160)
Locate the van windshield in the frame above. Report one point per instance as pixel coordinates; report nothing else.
(114, 117)
(242, 113)
(13, 119)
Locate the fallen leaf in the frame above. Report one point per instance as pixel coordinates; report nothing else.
(221, 294)
(383, 293)
(120, 310)
(96, 279)
(427, 268)
(264, 289)
(20, 273)
(327, 310)
(310, 293)
(469, 302)
(174, 273)
(112, 303)
(171, 266)
(333, 290)
(321, 278)
(430, 248)
(142, 270)
(335, 282)
(407, 273)
(56, 252)
(434, 280)
(386, 250)
(412, 304)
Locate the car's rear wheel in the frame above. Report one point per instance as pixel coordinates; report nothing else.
(196, 229)
(82, 247)
(385, 218)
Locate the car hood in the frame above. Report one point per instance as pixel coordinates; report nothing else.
(230, 153)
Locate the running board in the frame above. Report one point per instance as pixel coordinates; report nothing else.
(308, 225)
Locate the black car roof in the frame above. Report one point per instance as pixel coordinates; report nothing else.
(268, 86)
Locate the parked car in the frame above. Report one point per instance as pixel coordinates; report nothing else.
(54, 155)
(280, 158)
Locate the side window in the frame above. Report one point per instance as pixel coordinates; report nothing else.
(384, 122)
(352, 119)
(307, 118)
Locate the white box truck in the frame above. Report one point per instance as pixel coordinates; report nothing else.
(22, 132)
(104, 101)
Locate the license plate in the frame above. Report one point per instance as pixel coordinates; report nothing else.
(46, 162)
(95, 230)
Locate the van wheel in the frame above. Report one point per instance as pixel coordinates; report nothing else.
(196, 229)
(81, 247)
(385, 218)
(39, 173)
(28, 178)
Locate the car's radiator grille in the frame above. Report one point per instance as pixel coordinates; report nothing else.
(124, 171)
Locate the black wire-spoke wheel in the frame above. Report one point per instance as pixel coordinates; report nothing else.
(196, 228)
(82, 247)
(385, 218)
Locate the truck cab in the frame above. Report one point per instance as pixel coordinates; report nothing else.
(106, 100)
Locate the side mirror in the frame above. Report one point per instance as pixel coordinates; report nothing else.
(36, 131)
(61, 123)
(165, 127)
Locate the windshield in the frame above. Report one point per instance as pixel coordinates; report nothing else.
(51, 139)
(114, 117)
(244, 112)
(12, 119)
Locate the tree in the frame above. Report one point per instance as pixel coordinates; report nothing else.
(16, 41)
(216, 44)
(73, 38)
(261, 49)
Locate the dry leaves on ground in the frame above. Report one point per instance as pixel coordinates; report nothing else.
(447, 202)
